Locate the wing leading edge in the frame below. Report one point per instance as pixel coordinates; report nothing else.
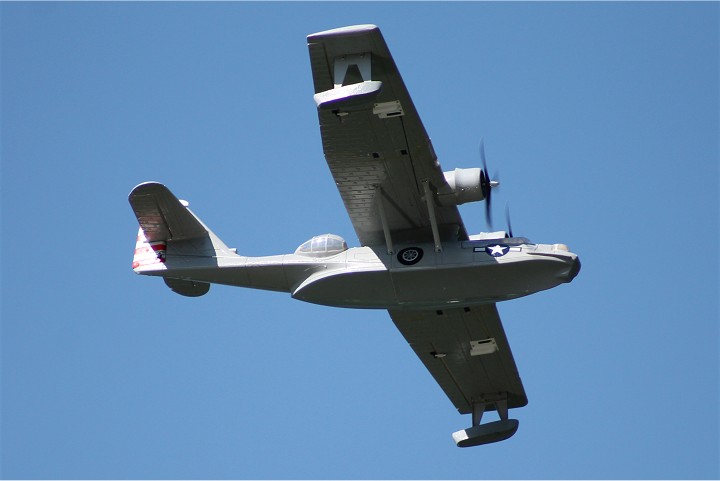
(467, 352)
(374, 141)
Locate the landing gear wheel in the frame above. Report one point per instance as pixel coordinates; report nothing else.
(410, 256)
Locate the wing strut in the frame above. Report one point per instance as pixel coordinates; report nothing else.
(478, 410)
(383, 220)
(430, 201)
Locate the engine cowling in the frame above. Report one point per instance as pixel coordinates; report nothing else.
(466, 185)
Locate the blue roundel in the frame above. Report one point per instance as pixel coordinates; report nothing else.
(497, 250)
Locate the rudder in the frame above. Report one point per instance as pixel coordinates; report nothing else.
(171, 236)
(148, 255)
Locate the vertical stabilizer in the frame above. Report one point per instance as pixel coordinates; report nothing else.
(149, 255)
(170, 235)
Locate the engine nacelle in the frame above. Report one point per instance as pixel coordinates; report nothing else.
(466, 185)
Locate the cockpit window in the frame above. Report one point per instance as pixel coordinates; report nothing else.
(322, 246)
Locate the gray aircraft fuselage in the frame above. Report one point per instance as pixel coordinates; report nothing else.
(463, 273)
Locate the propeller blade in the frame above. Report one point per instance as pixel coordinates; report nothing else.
(488, 212)
(507, 219)
(487, 184)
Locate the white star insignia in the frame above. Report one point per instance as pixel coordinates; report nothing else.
(497, 250)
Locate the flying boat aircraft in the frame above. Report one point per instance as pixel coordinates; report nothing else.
(416, 259)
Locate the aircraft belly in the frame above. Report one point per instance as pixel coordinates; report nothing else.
(484, 282)
(434, 287)
(356, 288)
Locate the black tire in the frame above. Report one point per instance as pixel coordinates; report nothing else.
(410, 256)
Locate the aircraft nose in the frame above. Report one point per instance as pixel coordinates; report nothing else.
(574, 269)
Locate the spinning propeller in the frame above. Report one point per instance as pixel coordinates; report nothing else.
(507, 220)
(487, 184)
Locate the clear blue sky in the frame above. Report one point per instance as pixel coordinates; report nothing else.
(602, 119)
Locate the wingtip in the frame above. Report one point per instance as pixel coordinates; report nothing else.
(145, 186)
(343, 31)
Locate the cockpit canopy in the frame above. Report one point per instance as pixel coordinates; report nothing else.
(322, 246)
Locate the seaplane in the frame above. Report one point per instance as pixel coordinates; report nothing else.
(415, 259)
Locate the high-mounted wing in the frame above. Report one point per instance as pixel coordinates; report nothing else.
(374, 142)
(390, 180)
(467, 353)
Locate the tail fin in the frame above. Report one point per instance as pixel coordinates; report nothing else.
(170, 234)
(148, 255)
